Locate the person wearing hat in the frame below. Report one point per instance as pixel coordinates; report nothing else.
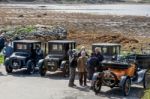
(72, 66)
(8, 50)
(82, 68)
(83, 49)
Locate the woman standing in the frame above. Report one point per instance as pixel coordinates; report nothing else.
(81, 65)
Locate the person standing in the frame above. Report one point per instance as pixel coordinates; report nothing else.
(100, 58)
(2, 41)
(72, 67)
(7, 51)
(92, 62)
(82, 68)
(38, 53)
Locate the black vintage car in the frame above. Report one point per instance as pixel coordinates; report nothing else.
(57, 57)
(23, 56)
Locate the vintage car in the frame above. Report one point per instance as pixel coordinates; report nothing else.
(23, 56)
(57, 57)
(108, 50)
(122, 72)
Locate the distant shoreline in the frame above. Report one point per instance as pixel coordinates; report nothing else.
(75, 3)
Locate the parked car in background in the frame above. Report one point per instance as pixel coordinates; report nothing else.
(23, 56)
(57, 57)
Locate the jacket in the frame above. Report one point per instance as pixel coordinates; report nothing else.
(81, 64)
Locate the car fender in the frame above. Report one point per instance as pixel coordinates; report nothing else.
(122, 80)
(141, 75)
(95, 76)
(40, 62)
(63, 63)
(6, 62)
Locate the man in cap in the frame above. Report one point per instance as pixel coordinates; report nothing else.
(72, 66)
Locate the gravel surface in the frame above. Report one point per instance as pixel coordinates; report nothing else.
(19, 85)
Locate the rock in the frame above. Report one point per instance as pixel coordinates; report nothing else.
(41, 32)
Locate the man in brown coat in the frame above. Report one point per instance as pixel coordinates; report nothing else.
(82, 68)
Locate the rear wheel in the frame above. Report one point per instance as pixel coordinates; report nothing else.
(66, 70)
(97, 86)
(126, 87)
(146, 80)
(8, 69)
(31, 68)
(42, 71)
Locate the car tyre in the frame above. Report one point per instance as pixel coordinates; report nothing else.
(145, 80)
(31, 68)
(126, 86)
(66, 70)
(8, 69)
(42, 71)
(97, 86)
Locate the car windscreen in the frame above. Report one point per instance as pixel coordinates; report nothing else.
(109, 50)
(55, 48)
(21, 46)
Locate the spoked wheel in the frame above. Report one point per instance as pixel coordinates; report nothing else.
(146, 80)
(31, 68)
(126, 87)
(8, 69)
(66, 71)
(110, 79)
(97, 86)
(42, 71)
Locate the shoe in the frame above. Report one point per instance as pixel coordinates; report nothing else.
(81, 84)
(74, 85)
(91, 87)
(70, 85)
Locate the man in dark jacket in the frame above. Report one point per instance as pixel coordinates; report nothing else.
(92, 62)
(39, 53)
(72, 66)
(7, 51)
(99, 57)
(2, 42)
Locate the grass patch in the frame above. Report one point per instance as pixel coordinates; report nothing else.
(146, 94)
(1, 59)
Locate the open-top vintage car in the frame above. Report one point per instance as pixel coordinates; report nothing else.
(57, 57)
(122, 72)
(23, 56)
(108, 50)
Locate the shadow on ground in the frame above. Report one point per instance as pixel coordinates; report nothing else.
(51, 75)
(116, 93)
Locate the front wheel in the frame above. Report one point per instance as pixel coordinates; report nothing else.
(97, 86)
(42, 71)
(126, 87)
(146, 80)
(8, 69)
(31, 68)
